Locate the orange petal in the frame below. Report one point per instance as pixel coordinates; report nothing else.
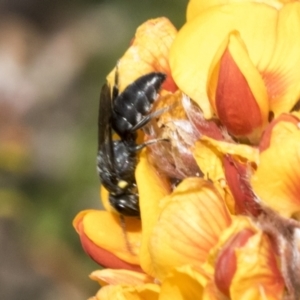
(282, 73)
(276, 180)
(104, 196)
(120, 292)
(197, 43)
(149, 52)
(209, 161)
(188, 282)
(239, 150)
(114, 248)
(109, 292)
(278, 129)
(114, 277)
(195, 7)
(257, 275)
(190, 223)
(152, 188)
(211, 292)
(226, 263)
(170, 100)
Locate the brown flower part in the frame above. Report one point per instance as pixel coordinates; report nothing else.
(172, 156)
(237, 176)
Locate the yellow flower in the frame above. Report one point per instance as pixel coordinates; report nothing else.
(219, 191)
(240, 61)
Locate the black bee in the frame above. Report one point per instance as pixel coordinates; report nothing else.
(124, 114)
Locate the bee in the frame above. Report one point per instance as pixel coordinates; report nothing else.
(124, 114)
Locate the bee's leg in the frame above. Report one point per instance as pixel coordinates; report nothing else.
(123, 226)
(139, 147)
(147, 118)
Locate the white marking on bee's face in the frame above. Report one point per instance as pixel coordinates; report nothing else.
(122, 184)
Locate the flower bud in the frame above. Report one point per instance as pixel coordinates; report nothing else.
(237, 91)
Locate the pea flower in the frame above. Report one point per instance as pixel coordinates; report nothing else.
(238, 65)
(218, 190)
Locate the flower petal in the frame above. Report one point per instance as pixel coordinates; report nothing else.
(282, 73)
(143, 292)
(121, 292)
(209, 161)
(106, 241)
(152, 188)
(239, 150)
(189, 225)
(183, 283)
(197, 6)
(148, 52)
(277, 130)
(226, 264)
(110, 292)
(114, 277)
(237, 91)
(245, 258)
(104, 196)
(237, 174)
(257, 275)
(276, 180)
(197, 43)
(170, 100)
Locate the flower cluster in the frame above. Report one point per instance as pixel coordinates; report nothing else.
(220, 201)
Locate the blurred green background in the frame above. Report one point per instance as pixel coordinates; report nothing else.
(54, 56)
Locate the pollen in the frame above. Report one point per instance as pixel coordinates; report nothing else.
(122, 184)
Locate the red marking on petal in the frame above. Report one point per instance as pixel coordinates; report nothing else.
(226, 262)
(208, 128)
(170, 85)
(236, 177)
(235, 103)
(266, 137)
(275, 84)
(131, 41)
(102, 256)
